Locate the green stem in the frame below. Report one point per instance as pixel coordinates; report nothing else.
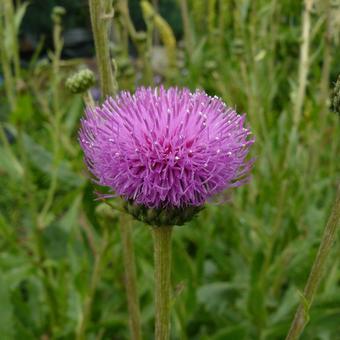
(329, 235)
(5, 62)
(327, 59)
(304, 62)
(56, 121)
(30, 197)
(96, 275)
(186, 26)
(10, 18)
(46, 279)
(88, 99)
(130, 277)
(162, 258)
(99, 18)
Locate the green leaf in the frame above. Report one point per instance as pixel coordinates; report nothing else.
(6, 311)
(256, 304)
(238, 332)
(23, 111)
(9, 164)
(43, 160)
(216, 296)
(19, 14)
(70, 219)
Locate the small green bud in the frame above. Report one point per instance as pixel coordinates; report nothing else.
(141, 37)
(105, 210)
(335, 97)
(238, 46)
(210, 65)
(117, 50)
(57, 13)
(160, 217)
(58, 10)
(80, 81)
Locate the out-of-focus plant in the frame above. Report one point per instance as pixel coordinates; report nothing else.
(153, 19)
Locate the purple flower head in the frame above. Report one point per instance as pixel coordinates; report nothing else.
(166, 148)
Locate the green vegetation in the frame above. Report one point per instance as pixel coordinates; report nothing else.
(240, 267)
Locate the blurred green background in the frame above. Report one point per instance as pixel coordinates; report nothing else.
(239, 266)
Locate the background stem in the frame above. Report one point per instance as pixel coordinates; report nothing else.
(100, 12)
(95, 278)
(303, 62)
(186, 26)
(99, 19)
(301, 316)
(130, 277)
(162, 258)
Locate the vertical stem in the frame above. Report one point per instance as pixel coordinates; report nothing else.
(302, 78)
(211, 13)
(327, 58)
(304, 61)
(10, 18)
(223, 9)
(186, 26)
(55, 119)
(162, 258)
(99, 19)
(5, 62)
(301, 315)
(130, 278)
(101, 10)
(88, 99)
(96, 275)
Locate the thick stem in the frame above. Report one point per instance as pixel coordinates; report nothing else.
(162, 258)
(99, 18)
(130, 278)
(329, 235)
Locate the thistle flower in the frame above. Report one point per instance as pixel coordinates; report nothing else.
(166, 149)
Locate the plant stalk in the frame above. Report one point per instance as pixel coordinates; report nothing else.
(99, 19)
(186, 26)
(304, 61)
(6, 63)
(100, 12)
(327, 60)
(162, 258)
(13, 30)
(130, 277)
(55, 129)
(96, 275)
(315, 275)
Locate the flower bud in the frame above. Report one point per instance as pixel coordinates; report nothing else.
(141, 37)
(57, 13)
(80, 81)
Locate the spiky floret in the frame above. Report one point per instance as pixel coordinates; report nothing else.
(166, 148)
